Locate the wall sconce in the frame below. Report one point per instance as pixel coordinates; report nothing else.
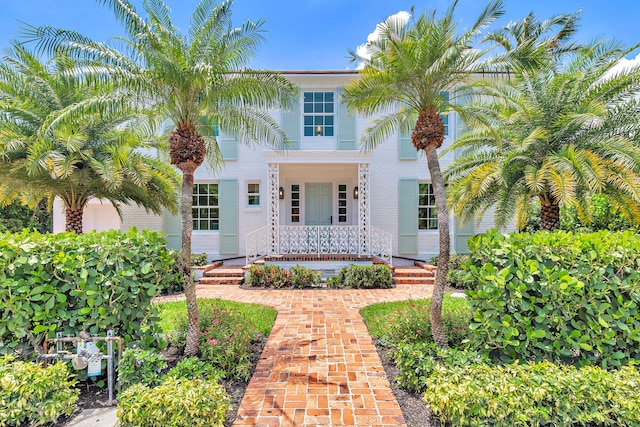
(355, 192)
(281, 193)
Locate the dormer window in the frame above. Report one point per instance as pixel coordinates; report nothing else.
(319, 113)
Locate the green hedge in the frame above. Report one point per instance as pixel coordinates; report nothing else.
(536, 394)
(362, 277)
(175, 402)
(559, 296)
(31, 394)
(67, 282)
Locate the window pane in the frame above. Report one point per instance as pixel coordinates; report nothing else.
(422, 224)
(318, 97)
(308, 131)
(195, 225)
(194, 213)
(328, 96)
(213, 213)
(342, 203)
(328, 120)
(308, 97)
(253, 188)
(308, 120)
(295, 187)
(213, 200)
(204, 224)
(295, 211)
(342, 219)
(328, 131)
(328, 108)
(295, 196)
(342, 211)
(295, 219)
(215, 226)
(342, 187)
(295, 203)
(308, 108)
(318, 108)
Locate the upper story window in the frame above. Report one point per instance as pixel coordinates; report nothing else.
(205, 210)
(427, 212)
(319, 113)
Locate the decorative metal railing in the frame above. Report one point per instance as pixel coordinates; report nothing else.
(258, 244)
(320, 240)
(381, 244)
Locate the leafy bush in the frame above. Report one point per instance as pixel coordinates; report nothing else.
(303, 277)
(559, 296)
(417, 361)
(14, 217)
(224, 340)
(31, 394)
(175, 402)
(192, 368)
(198, 260)
(536, 394)
(456, 275)
(140, 366)
(68, 282)
(268, 276)
(362, 277)
(602, 216)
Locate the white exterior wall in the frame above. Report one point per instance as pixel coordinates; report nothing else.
(97, 216)
(386, 169)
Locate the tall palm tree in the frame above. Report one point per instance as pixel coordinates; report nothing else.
(196, 80)
(411, 65)
(54, 144)
(552, 136)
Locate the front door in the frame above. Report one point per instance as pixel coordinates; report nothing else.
(318, 204)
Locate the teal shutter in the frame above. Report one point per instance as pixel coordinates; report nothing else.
(463, 232)
(406, 150)
(346, 126)
(228, 147)
(408, 216)
(445, 117)
(229, 213)
(172, 228)
(291, 125)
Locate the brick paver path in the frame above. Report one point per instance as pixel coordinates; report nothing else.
(319, 366)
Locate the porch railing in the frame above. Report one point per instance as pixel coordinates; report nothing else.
(320, 240)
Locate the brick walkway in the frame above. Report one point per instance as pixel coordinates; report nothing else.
(319, 366)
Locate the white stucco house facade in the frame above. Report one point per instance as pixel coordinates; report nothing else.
(321, 196)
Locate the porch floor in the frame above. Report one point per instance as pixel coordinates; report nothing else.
(319, 366)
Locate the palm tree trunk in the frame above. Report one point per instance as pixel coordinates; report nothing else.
(549, 216)
(186, 203)
(437, 330)
(73, 219)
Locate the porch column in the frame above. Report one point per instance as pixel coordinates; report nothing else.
(274, 207)
(364, 209)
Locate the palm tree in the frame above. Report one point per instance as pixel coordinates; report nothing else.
(409, 69)
(195, 80)
(552, 136)
(54, 144)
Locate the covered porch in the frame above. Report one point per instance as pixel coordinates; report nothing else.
(318, 204)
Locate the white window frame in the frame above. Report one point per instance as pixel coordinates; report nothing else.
(197, 218)
(429, 207)
(333, 115)
(248, 195)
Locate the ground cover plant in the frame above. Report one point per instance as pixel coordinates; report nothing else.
(31, 394)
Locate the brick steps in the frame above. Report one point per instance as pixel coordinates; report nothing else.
(221, 275)
(422, 274)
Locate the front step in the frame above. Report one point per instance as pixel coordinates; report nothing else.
(414, 275)
(222, 275)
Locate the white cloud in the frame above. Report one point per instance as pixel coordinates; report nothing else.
(623, 66)
(366, 50)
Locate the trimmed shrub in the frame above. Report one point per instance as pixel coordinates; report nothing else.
(198, 260)
(456, 274)
(417, 361)
(268, 276)
(303, 277)
(558, 296)
(31, 394)
(140, 366)
(175, 402)
(362, 277)
(536, 394)
(68, 283)
(193, 368)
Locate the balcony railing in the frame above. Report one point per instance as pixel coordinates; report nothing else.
(318, 239)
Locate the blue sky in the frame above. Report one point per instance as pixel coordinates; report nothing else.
(315, 34)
